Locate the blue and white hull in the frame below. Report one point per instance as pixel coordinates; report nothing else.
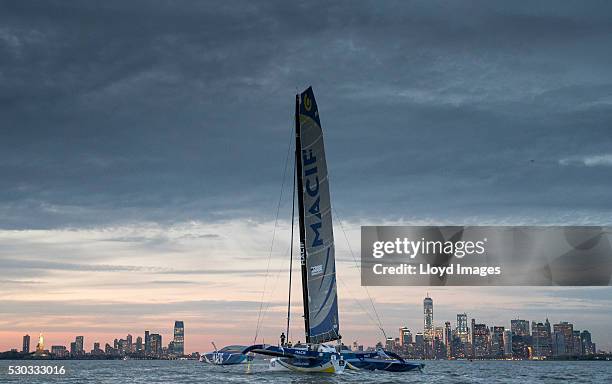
(230, 355)
(379, 361)
(224, 358)
(332, 364)
(322, 359)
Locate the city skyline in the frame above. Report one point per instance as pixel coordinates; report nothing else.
(522, 327)
(143, 150)
(150, 344)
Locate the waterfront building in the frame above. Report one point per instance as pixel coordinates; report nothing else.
(542, 340)
(458, 348)
(59, 351)
(462, 327)
(588, 348)
(26, 344)
(519, 327)
(139, 346)
(428, 327)
(471, 330)
(520, 346)
(448, 339)
(147, 343)
(389, 344)
(156, 343)
(564, 342)
(558, 346)
(123, 346)
(419, 345)
(439, 349)
(497, 342)
(480, 343)
(405, 336)
(178, 347)
(507, 343)
(577, 343)
(130, 345)
(80, 350)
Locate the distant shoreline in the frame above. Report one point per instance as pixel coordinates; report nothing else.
(23, 357)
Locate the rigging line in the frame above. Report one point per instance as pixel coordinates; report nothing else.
(380, 325)
(280, 198)
(370, 317)
(291, 253)
(272, 290)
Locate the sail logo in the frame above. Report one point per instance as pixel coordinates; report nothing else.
(307, 103)
(316, 270)
(312, 189)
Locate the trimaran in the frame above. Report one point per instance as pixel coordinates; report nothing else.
(318, 270)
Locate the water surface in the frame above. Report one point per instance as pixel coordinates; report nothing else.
(188, 371)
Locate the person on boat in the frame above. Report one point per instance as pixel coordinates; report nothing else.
(282, 339)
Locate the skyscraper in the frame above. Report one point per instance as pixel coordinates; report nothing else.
(428, 328)
(519, 327)
(139, 344)
(156, 343)
(448, 339)
(564, 339)
(462, 327)
(147, 345)
(577, 341)
(472, 337)
(497, 342)
(80, 341)
(588, 348)
(26, 344)
(541, 339)
(507, 343)
(179, 338)
(480, 342)
(405, 336)
(419, 344)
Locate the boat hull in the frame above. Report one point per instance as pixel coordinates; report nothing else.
(382, 365)
(379, 361)
(225, 358)
(284, 364)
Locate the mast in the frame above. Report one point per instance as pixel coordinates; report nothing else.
(291, 253)
(300, 188)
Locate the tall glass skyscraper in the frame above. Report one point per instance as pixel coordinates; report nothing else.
(147, 345)
(428, 331)
(462, 327)
(179, 338)
(26, 344)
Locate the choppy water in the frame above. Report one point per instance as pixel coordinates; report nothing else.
(447, 372)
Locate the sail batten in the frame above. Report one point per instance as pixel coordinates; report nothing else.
(316, 232)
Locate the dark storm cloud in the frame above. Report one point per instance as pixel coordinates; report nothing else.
(164, 111)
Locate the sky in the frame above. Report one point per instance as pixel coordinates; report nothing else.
(144, 148)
